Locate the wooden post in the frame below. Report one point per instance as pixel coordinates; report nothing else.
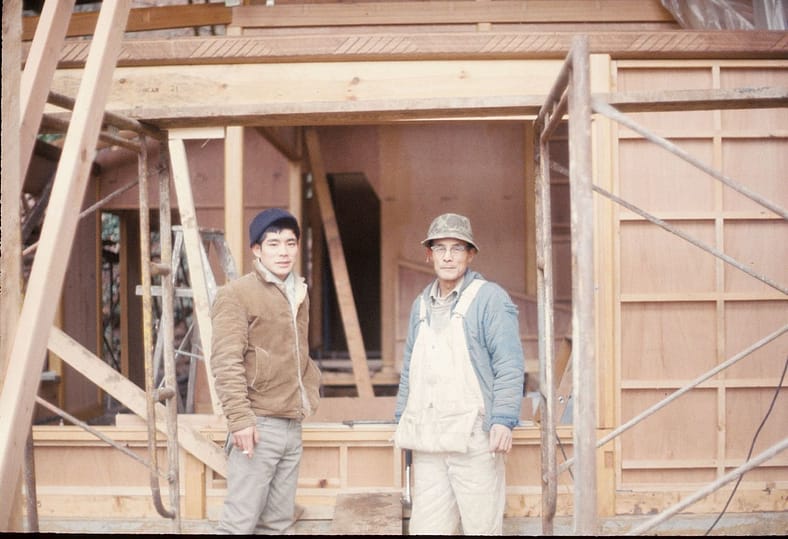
(347, 306)
(46, 277)
(234, 193)
(10, 230)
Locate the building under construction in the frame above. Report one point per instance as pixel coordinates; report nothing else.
(623, 165)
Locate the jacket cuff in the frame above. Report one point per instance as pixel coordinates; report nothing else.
(241, 423)
(507, 421)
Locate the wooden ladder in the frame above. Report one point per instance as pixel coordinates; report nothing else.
(182, 285)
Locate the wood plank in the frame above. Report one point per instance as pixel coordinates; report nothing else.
(448, 12)
(143, 19)
(39, 70)
(536, 44)
(48, 272)
(133, 397)
(368, 513)
(347, 306)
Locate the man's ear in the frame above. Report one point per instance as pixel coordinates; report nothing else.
(256, 250)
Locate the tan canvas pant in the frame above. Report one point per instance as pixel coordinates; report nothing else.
(452, 489)
(261, 491)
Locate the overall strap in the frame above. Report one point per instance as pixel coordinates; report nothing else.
(468, 295)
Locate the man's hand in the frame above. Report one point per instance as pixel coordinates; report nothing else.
(245, 440)
(500, 438)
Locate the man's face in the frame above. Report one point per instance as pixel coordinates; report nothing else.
(450, 259)
(278, 252)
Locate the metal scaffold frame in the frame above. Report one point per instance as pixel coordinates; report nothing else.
(571, 95)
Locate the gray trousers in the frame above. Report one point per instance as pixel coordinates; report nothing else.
(261, 491)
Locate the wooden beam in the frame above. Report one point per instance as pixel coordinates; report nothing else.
(495, 44)
(133, 397)
(370, 92)
(685, 100)
(449, 12)
(143, 19)
(49, 266)
(197, 268)
(39, 69)
(347, 306)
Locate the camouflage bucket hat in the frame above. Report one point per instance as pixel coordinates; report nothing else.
(450, 225)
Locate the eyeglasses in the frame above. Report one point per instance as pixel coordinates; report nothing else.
(456, 249)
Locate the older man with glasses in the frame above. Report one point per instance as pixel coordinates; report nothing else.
(460, 390)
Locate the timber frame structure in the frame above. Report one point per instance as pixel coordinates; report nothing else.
(170, 121)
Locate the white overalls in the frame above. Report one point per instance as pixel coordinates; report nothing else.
(456, 478)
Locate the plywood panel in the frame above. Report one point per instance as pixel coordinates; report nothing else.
(767, 120)
(684, 476)
(658, 181)
(351, 150)
(656, 261)
(523, 465)
(769, 475)
(371, 466)
(649, 79)
(88, 467)
(758, 164)
(747, 323)
(319, 467)
(667, 341)
(761, 246)
(684, 429)
(745, 410)
(266, 174)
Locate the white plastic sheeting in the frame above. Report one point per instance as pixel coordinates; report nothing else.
(729, 14)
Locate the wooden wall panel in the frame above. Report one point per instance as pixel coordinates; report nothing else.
(319, 467)
(647, 77)
(266, 174)
(760, 164)
(664, 477)
(754, 120)
(683, 431)
(658, 181)
(667, 341)
(656, 261)
(682, 311)
(756, 244)
(370, 466)
(747, 322)
(746, 407)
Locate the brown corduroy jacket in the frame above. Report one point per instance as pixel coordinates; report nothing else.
(260, 352)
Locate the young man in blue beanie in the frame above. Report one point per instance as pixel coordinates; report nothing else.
(264, 377)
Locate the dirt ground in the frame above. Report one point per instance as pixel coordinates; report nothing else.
(740, 524)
